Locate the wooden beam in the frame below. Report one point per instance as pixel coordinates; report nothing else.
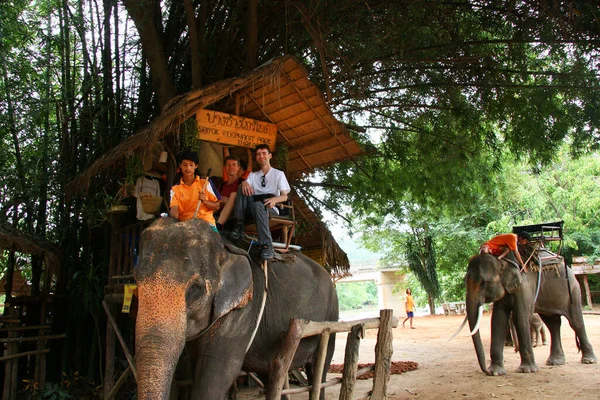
(32, 338)
(271, 120)
(24, 354)
(312, 328)
(333, 132)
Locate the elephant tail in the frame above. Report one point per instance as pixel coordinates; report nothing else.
(578, 344)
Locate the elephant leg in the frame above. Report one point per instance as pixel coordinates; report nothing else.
(557, 355)
(522, 321)
(544, 335)
(513, 333)
(500, 316)
(508, 342)
(575, 318)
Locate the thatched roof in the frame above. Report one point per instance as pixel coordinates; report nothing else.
(278, 91)
(14, 240)
(313, 235)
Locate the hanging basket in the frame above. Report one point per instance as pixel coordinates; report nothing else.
(151, 204)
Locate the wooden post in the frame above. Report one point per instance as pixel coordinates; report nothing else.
(351, 362)
(128, 355)
(6, 392)
(281, 364)
(588, 294)
(383, 355)
(318, 369)
(109, 368)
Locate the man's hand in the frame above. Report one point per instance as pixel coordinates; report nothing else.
(247, 189)
(224, 199)
(202, 196)
(270, 203)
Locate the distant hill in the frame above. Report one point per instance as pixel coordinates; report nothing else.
(355, 251)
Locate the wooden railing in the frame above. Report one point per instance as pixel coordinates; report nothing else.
(300, 329)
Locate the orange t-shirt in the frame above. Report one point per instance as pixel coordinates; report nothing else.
(497, 243)
(185, 197)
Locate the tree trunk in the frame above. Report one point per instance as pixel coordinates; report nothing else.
(431, 302)
(143, 14)
(251, 35)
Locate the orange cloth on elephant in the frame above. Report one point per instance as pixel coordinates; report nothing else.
(497, 243)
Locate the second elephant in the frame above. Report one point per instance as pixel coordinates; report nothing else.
(537, 331)
(491, 280)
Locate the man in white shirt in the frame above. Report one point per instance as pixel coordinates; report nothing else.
(257, 197)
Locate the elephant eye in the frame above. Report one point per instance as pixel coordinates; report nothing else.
(194, 292)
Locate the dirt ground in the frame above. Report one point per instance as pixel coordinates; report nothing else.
(449, 370)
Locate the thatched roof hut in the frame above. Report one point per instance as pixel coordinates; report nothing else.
(15, 240)
(278, 92)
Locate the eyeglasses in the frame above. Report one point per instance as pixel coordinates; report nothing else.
(262, 181)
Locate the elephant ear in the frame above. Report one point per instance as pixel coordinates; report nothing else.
(235, 286)
(511, 277)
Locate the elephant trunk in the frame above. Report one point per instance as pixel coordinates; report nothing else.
(473, 316)
(160, 339)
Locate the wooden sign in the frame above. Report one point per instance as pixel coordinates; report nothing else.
(219, 127)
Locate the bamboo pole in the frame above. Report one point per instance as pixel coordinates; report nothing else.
(383, 355)
(329, 383)
(351, 361)
(123, 345)
(24, 354)
(320, 364)
(109, 367)
(33, 338)
(120, 382)
(24, 328)
(281, 364)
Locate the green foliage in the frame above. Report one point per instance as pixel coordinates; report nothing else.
(71, 386)
(88, 290)
(356, 295)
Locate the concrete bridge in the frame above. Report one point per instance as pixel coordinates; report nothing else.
(385, 279)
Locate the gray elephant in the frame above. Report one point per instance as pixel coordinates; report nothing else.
(195, 288)
(537, 332)
(491, 280)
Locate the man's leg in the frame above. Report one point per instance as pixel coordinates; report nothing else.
(261, 219)
(227, 209)
(241, 203)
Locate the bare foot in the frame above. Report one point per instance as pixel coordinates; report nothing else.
(412, 327)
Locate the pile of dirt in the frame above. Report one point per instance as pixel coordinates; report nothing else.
(396, 368)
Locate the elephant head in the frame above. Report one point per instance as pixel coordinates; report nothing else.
(487, 280)
(188, 281)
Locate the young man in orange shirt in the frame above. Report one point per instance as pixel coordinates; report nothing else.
(191, 190)
(501, 245)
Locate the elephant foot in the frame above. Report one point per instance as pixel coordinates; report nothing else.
(496, 370)
(559, 360)
(589, 359)
(528, 368)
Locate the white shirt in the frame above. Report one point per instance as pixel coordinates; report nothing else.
(275, 181)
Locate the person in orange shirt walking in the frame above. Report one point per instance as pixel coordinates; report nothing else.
(409, 302)
(191, 190)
